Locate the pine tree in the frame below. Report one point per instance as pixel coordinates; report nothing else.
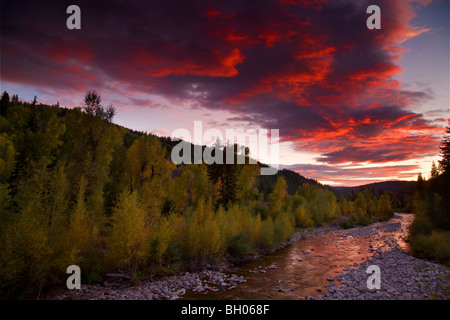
(229, 178)
(224, 174)
(15, 99)
(445, 150)
(434, 170)
(420, 183)
(4, 102)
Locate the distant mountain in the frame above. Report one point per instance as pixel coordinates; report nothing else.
(397, 187)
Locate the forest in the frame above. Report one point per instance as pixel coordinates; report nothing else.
(77, 189)
(429, 235)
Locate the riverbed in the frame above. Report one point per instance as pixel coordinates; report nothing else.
(327, 264)
(301, 270)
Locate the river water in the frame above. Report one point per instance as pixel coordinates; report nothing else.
(302, 268)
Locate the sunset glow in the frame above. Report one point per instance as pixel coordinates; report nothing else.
(353, 105)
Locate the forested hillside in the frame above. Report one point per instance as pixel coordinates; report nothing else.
(430, 232)
(75, 188)
(401, 192)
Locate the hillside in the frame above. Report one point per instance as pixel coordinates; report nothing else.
(397, 187)
(293, 180)
(77, 189)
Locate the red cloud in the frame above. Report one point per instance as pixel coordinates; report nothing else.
(310, 68)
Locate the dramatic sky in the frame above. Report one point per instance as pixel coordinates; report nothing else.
(353, 105)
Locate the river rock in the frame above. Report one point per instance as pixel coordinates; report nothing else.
(402, 276)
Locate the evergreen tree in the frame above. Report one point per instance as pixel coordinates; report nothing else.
(420, 185)
(229, 177)
(4, 102)
(15, 99)
(434, 170)
(445, 150)
(224, 174)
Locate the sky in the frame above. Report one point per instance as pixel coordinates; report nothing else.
(352, 105)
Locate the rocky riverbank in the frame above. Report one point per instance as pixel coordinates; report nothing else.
(167, 288)
(403, 277)
(211, 279)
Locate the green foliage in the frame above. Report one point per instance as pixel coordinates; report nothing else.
(77, 189)
(435, 246)
(283, 228)
(365, 209)
(444, 163)
(222, 173)
(239, 245)
(301, 218)
(293, 181)
(320, 204)
(148, 172)
(278, 196)
(266, 239)
(202, 241)
(429, 235)
(384, 207)
(127, 245)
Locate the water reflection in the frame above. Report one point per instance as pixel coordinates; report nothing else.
(303, 267)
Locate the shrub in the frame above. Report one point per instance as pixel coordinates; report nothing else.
(421, 224)
(283, 228)
(266, 239)
(359, 217)
(202, 236)
(435, 246)
(301, 218)
(127, 245)
(347, 223)
(239, 245)
(259, 208)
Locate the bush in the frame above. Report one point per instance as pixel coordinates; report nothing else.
(301, 218)
(435, 246)
(259, 208)
(283, 228)
(239, 245)
(127, 245)
(420, 225)
(267, 231)
(357, 218)
(347, 223)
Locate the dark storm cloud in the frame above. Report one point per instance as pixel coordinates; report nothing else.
(311, 69)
